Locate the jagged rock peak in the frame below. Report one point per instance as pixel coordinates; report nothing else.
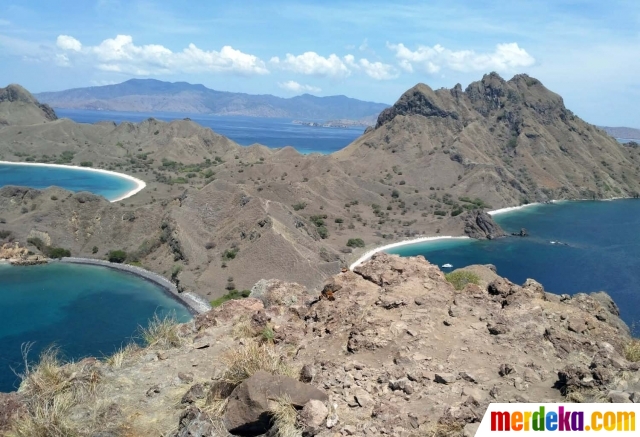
(489, 94)
(16, 93)
(419, 100)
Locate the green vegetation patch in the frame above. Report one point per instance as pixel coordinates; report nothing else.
(117, 256)
(233, 294)
(355, 242)
(460, 278)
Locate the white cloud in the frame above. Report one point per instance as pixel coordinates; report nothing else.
(120, 54)
(66, 42)
(296, 87)
(375, 70)
(311, 63)
(506, 57)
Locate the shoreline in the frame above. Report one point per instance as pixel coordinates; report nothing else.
(372, 252)
(418, 240)
(194, 304)
(140, 184)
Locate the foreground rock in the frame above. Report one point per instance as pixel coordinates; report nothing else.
(248, 412)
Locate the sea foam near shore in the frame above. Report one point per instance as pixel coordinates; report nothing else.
(140, 184)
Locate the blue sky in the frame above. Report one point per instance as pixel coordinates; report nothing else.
(587, 51)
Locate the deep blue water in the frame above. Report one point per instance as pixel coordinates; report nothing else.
(84, 310)
(271, 132)
(107, 185)
(602, 251)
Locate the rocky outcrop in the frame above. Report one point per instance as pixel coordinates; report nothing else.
(31, 111)
(248, 412)
(481, 226)
(419, 100)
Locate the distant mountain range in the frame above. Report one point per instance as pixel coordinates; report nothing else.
(150, 95)
(628, 133)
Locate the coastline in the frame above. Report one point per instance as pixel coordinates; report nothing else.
(372, 252)
(195, 304)
(140, 184)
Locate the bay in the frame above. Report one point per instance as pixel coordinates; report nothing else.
(83, 310)
(74, 179)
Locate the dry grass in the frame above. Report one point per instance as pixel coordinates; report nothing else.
(51, 388)
(243, 362)
(284, 418)
(121, 355)
(243, 329)
(440, 429)
(162, 332)
(632, 350)
(586, 396)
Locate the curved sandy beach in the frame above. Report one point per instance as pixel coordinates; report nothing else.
(370, 253)
(140, 184)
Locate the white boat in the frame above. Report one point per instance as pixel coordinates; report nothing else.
(446, 266)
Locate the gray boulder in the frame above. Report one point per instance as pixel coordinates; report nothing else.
(248, 410)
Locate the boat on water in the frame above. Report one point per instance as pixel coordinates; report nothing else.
(446, 266)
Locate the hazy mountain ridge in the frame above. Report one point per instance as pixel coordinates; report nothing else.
(628, 133)
(150, 95)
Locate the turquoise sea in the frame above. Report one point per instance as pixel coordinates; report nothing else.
(84, 310)
(597, 248)
(271, 132)
(107, 185)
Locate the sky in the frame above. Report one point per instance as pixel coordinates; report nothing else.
(586, 51)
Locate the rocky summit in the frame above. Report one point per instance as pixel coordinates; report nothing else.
(397, 348)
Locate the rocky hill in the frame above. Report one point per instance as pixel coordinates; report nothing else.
(392, 348)
(505, 142)
(224, 216)
(18, 106)
(150, 95)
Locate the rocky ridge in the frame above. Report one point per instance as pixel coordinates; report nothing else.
(394, 349)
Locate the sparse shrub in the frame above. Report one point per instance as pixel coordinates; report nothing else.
(355, 242)
(86, 164)
(242, 362)
(395, 194)
(161, 332)
(339, 220)
(117, 256)
(229, 254)
(209, 245)
(632, 350)
(233, 294)
(57, 252)
(94, 250)
(4, 234)
(440, 212)
(299, 206)
(460, 278)
(323, 232)
(54, 198)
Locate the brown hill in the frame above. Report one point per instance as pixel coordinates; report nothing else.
(506, 142)
(18, 106)
(224, 216)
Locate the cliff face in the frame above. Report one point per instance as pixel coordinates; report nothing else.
(391, 348)
(505, 142)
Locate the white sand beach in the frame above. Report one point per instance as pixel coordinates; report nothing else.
(140, 184)
(370, 253)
